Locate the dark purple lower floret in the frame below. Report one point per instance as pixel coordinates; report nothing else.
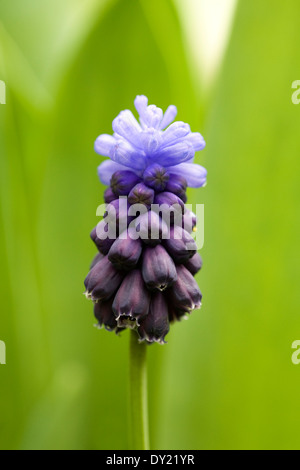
(184, 293)
(103, 280)
(194, 264)
(155, 326)
(158, 268)
(125, 252)
(132, 300)
(105, 316)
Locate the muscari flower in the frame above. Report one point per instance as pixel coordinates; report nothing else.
(146, 282)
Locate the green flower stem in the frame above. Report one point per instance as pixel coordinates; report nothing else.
(138, 399)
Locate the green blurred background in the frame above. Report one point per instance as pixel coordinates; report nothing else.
(225, 380)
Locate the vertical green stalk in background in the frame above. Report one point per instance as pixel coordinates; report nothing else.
(138, 399)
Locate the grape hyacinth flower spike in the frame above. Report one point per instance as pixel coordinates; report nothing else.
(143, 275)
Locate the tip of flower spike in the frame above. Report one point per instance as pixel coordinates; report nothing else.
(136, 145)
(141, 103)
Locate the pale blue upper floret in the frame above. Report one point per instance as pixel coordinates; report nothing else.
(136, 145)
